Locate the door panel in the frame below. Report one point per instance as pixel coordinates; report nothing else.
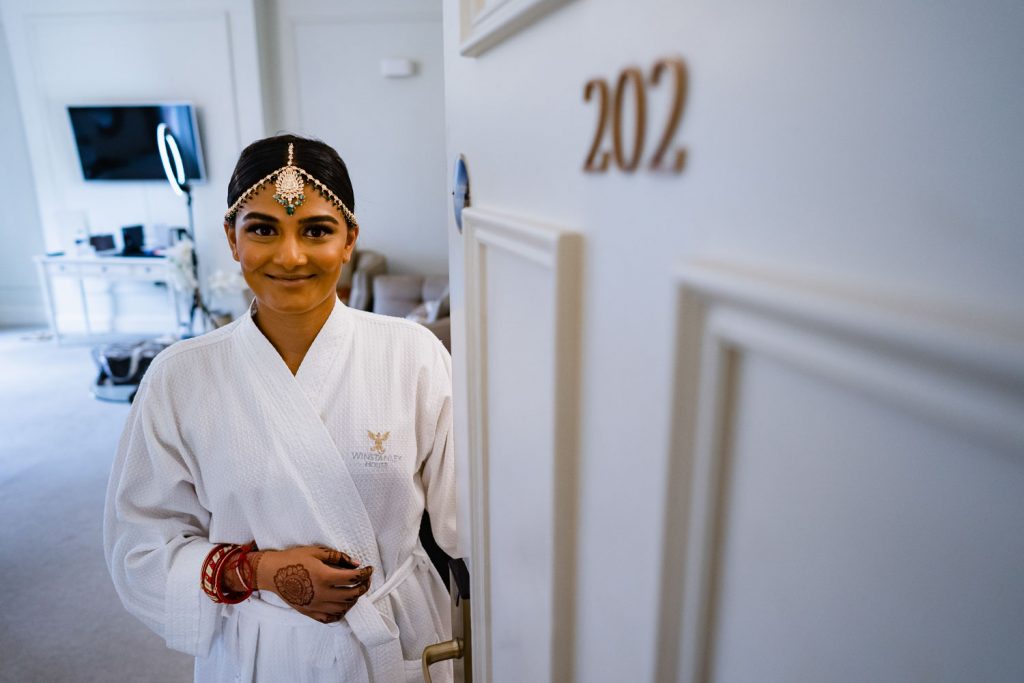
(878, 525)
(523, 324)
(855, 490)
(521, 476)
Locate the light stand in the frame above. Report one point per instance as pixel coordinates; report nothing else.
(175, 172)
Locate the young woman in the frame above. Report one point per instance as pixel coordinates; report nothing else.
(264, 506)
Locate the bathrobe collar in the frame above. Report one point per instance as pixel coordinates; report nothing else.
(320, 359)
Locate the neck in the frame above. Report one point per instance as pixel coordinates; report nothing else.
(293, 333)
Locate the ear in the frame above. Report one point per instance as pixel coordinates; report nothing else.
(229, 231)
(350, 243)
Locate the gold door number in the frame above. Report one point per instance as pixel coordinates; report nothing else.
(628, 156)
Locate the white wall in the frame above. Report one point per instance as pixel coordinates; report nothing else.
(123, 51)
(21, 300)
(326, 67)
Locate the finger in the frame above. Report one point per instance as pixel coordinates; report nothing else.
(345, 595)
(334, 557)
(348, 578)
(347, 560)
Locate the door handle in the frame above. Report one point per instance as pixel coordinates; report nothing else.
(461, 644)
(439, 652)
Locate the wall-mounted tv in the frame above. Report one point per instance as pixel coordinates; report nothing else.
(118, 142)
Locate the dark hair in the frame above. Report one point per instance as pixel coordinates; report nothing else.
(269, 154)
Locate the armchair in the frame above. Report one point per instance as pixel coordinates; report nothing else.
(355, 285)
(423, 298)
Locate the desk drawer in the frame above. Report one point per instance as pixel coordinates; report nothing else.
(124, 271)
(68, 269)
(100, 270)
(155, 272)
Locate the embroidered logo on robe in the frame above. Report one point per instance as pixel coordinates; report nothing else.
(378, 441)
(375, 458)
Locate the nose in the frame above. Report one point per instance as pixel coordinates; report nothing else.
(290, 254)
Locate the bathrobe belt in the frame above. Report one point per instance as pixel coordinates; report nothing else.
(376, 632)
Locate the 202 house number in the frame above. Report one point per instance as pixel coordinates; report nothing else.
(610, 120)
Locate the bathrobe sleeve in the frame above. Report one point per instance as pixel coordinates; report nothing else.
(155, 529)
(438, 468)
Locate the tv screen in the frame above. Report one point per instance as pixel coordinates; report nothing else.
(119, 142)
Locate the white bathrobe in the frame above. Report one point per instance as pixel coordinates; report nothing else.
(224, 445)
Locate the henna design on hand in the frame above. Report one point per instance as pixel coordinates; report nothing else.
(294, 585)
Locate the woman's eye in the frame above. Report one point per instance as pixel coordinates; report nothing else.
(260, 230)
(317, 232)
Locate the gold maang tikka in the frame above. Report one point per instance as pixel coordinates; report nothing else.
(290, 184)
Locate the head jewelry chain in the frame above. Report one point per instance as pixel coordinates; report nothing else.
(290, 183)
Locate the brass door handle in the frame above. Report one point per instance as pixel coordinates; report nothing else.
(439, 652)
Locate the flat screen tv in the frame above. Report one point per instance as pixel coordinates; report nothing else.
(118, 142)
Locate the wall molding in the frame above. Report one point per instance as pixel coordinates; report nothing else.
(484, 27)
(950, 368)
(143, 16)
(368, 17)
(230, 107)
(558, 251)
(25, 25)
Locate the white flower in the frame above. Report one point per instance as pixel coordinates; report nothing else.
(223, 282)
(180, 256)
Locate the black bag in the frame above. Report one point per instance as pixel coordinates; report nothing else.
(122, 365)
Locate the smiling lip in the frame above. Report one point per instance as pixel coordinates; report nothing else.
(290, 278)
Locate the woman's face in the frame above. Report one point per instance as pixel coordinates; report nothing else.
(292, 263)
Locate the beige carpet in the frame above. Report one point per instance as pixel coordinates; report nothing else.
(60, 619)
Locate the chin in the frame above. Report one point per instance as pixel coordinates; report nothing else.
(294, 303)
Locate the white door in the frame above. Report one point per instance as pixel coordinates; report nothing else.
(752, 411)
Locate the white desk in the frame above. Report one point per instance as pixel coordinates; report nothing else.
(110, 268)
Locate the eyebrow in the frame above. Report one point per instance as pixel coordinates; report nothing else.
(322, 218)
(253, 215)
(256, 216)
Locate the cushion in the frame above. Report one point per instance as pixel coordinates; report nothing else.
(433, 309)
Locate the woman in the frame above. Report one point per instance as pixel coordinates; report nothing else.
(264, 506)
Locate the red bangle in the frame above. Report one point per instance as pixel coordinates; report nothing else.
(225, 597)
(243, 569)
(211, 570)
(247, 591)
(217, 562)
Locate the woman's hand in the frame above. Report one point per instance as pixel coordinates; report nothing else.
(317, 581)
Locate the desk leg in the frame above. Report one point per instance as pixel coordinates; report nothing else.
(51, 312)
(85, 305)
(114, 312)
